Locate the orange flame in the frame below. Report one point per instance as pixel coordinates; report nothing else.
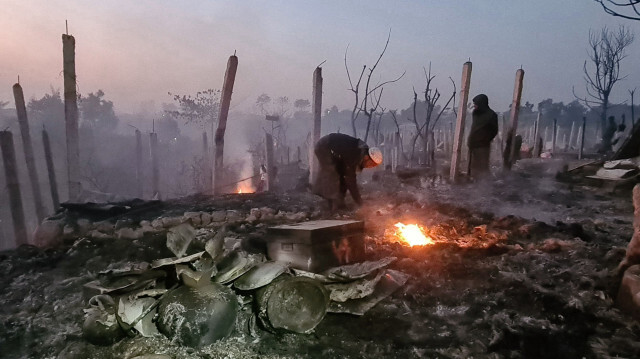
(412, 234)
(245, 188)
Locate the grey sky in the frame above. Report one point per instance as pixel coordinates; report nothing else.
(137, 51)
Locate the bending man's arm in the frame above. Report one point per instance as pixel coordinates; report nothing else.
(352, 185)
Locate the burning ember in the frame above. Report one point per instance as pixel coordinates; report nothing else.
(244, 188)
(412, 234)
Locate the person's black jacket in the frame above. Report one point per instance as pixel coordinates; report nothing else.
(484, 126)
(345, 154)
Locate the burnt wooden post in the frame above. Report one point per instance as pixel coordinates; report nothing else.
(583, 128)
(13, 185)
(398, 148)
(139, 190)
(316, 108)
(269, 155)
(462, 114)
(71, 115)
(153, 149)
(536, 134)
(227, 90)
(577, 143)
(28, 150)
(632, 109)
(515, 111)
(573, 125)
(555, 136)
(206, 162)
(53, 183)
(504, 133)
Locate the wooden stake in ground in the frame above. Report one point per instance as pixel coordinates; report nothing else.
(155, 174)
(71, 115)
(270, 167)
(53, 183)
(578, 137)
(515, 111)
(536, 144)
(583, 128)
(13, 185)
(573, 125)
(316, 108)
(227, 90)
(139, 189)
(28, 150)
(462, 114)
(555, 136)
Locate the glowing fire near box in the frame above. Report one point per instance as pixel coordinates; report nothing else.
(317, 245)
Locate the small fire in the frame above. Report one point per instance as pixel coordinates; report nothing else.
(244, 188)
(412, 234)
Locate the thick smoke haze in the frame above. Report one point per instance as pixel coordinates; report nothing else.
(137, 51)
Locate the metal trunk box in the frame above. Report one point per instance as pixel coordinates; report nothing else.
(317, 245)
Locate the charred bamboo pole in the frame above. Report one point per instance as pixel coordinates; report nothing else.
(206, 162)
(515, 111)
(269, 155)
(503, 138)
(316, 108)
(227, 90)
(536, 130)
(71, 115)
(584, 128)
(28, 150)
(573, 127)
(155, 174)
(462, 114)
(555, 135)
(13, 185)
(139, 189)
(53, 183)
(578, 137)
(632, 109)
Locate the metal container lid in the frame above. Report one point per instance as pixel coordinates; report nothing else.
(261, 275)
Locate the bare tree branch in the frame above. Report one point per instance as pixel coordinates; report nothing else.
(370, 102)
(606, 51)
(629, 9)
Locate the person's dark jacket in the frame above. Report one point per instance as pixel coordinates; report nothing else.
(345, 154)
(484, 126)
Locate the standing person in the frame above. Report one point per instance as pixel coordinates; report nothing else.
(484, 128)
(340, 158)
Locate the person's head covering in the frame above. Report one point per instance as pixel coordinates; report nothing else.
(482, 101)
(376, 155)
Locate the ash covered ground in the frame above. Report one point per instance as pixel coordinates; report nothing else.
(522, 267)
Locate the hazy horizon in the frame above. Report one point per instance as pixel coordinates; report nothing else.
(139, 51)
